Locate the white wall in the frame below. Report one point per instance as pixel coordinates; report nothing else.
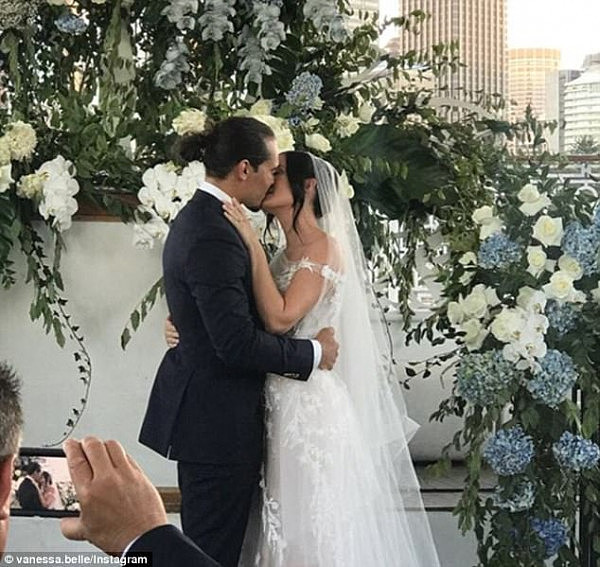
(105, 276)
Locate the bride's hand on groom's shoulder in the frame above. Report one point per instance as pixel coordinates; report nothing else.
(171, 334)
(236, 215)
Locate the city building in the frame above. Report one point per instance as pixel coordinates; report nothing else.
(582, 104)
(530, 72)
(479, 29)
(555, 106)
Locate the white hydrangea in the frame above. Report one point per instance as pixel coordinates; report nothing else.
(5, 155)
(60, 186)
(22, 140)
(190, 121)
(31, 186)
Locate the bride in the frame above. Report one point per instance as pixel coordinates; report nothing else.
(339, 488)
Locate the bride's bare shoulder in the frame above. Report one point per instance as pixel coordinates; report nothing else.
(325, 251)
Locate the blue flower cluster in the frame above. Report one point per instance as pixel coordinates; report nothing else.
(70, 23)
(482, 377)
(553, 380)
(305, 90)
(498, 251)
(520, 498)
(552, 532)
(562, 317)
(582, 244)
(576, 453)
(509, 451)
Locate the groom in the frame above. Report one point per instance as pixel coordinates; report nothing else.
(206, 407)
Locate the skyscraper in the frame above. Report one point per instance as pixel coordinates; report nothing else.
(531, 71)
(479, 28)
(582, 104)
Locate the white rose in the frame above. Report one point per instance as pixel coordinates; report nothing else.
(475, 305)
(491, 296)
(507, 325)
(4, 151)
(560, 287)
(21, 140)
(529, 194)
(548, 230)
(318, 142)
(536, 257)
(571, 266)
(532, 209)
(493, 226)
(5, 177)
(468, 259)
(475, 334)
(346, 188)
(455, 312)
(346, 125)
(261, 106)
(490, 224)
(531, 299)
(283, 135)
(483, 214)
(190, 121)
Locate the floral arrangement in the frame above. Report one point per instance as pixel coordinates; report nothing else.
(522, 305)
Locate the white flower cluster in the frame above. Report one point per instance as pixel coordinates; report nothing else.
(254, 50)
(182, 13)
(326, 19)
(215, 21)
(261, 110)
(170, 73)
(58, 187)
(164, 193)
(190, 121)
(521, 327)
(17, 144)
(17, 14)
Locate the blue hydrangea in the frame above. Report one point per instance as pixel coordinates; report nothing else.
(562, 316)
(483, 377)
(553, 380)
(552, 532)
(576, 453)
(509, 451)
(498, 251)
(305, 90)
(70, 23)
(520, 498)
(582, 244)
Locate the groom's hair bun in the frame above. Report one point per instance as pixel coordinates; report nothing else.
(229, 142)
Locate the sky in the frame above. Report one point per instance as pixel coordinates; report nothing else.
(573, 26)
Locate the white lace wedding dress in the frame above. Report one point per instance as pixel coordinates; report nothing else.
(328, 497)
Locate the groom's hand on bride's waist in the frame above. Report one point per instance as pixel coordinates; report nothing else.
(329, 347)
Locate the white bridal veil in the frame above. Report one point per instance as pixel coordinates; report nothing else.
(365, 365)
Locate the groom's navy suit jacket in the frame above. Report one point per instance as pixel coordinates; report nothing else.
(206, 404)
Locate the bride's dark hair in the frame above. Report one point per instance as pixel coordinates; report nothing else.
(299, 168)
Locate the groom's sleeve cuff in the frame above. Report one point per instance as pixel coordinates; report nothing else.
(318, 353)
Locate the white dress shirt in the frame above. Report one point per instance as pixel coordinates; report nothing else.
(225, 198)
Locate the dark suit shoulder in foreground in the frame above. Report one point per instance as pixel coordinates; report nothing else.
(169, 547)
